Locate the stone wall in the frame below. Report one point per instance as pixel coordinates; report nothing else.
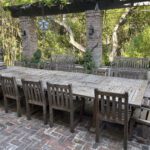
(94, 35)
(29, 36)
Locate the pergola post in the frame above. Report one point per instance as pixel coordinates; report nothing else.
(29, 36)
(94, 20)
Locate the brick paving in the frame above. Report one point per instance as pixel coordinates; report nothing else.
(21, 134)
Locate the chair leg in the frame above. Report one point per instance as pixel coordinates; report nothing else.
(51, 117)
(82, 109)
(97, 130)
(18, 108)
(131, 125)
(6, 104)
(125, 137)
(71, 121)
(28, 111)
(44, 114)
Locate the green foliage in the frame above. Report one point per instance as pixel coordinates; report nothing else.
(139, 46)
(36, 57)
(10, 37)
(133, 35)
(21, 2)
(106, 50)
(88, 63)
(77, 22)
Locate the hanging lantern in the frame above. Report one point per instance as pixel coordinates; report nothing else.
(43, 24)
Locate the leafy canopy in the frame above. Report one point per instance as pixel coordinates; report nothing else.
(139, 46)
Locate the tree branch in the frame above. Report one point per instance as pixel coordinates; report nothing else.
(71, 35)
(121, 21)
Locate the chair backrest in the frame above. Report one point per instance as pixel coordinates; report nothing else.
(9, 87)
(34, 92)
(49, 66)
(130, 74)
(60, 96)
(19, 63)
(65, 66)
(112, 107)
(63, 62)
(32, 65)
(134, 63)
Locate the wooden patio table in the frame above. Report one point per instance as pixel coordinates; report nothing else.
(82, 84)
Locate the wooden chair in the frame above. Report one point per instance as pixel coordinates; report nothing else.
(133, 63)
(34, 94)
(65, 66)
(133, 68)
(19, 63)
(32, 65)
(60, 98)
(49, 66)
(141, 116)
(111, 107)
(63, 62)
(10, 91)
(128, 73)
(146, 102)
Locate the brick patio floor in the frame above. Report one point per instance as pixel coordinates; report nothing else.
(19, 134)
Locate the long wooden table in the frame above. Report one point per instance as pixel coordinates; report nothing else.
(82, 84)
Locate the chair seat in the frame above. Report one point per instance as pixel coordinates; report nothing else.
(142, 115)
(116, 120)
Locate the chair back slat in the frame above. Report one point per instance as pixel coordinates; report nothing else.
(33, 91)
(112, 106)
(108, 106)
(136, 63)
(9, 87)
(60, 95)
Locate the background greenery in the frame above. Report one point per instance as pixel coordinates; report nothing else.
(133, 34)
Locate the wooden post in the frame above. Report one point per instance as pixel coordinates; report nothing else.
(94, 21)
(29, 36)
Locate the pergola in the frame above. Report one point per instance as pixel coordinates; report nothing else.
(78, 6)
(74, 6)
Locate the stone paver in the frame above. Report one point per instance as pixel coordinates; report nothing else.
(21, 134)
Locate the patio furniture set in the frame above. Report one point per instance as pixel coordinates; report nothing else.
(116, 100)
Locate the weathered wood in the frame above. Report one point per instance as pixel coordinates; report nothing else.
(146, 102)
(34, 94)
(10, 91)
(111, 107)
(142, 116)
(19, 63)
(133, 68)
(61, 62)
(61, 98)
(125, 62)
(82, 84)
(75, 6)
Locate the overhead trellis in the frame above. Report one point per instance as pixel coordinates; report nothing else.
(73, 6)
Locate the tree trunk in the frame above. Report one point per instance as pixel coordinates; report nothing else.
(122, 21)
(29, 36)
(94, 35)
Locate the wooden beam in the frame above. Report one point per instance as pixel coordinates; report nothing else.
(74, 7)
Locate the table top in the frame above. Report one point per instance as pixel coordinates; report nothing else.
(82, 84)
